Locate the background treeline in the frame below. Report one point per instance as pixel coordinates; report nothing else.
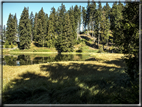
(61, 28)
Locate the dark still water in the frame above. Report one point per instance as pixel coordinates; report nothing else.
(17, 60)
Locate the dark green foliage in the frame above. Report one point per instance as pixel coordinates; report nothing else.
(84, 17)
(105, 26)
(129, 38)
(51, 31)
(35, 28)
(132, 42)
(25, 30)
(16, 26)
(61, 18)
(40, 33)
(42, 28)
(72, 22)
(66, 44)
(32, 25)
(11, 29)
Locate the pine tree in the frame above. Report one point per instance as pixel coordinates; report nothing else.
(112, 15)
(67, 38)
(25, 30)
(51, 31)
(35, 28)
(98, 21)
(61, 18)
(41, 15)
(32, 25)
(88, 17)
(16, 27)
(10, 30)
(54, 17)
(92, 12)
(40, 33)
(72, 22)
(84, 17)
(116, 17)
(77, 14)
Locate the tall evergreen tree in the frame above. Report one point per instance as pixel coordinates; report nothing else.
(92, 13)
(10, 30)
(116, 17)
(61, 18)
(77, 15)
(35, 28)
(16, 27)
(41, 15)
(32, 24)
(51, 31)
(98, 21)
(88, 17)
(40, 33)
(72, 22)
(67, 38)
(112, 15)
(25, 30)
(84, 17)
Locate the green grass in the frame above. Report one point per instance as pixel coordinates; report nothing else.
(72, 82)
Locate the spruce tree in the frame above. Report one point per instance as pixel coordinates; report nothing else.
(112, 15)
(116, 17)
(72, 22)
(84, 17)
(61, 18)
(40, 33)
(98, 21)
(25, 30)
(77, 15)
(35, 28)
(41, 15)
(16, 27)
(88, 17)
(51, 31)
(57, 26)
(32, 24)
(67, 38)
(11, 30)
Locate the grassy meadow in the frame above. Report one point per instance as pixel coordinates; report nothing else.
(72, 82)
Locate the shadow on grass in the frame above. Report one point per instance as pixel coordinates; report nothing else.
(75, 83)
(117, 62)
